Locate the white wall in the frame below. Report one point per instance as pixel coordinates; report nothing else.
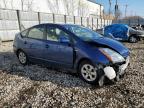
(69, 7)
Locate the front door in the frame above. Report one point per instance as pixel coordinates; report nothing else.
(55, 51)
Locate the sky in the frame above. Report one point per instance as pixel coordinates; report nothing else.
(135, 7)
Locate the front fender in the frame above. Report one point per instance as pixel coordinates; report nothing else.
(92, 55)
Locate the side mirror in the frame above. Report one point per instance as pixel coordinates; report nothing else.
(64, 39)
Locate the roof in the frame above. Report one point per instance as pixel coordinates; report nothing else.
(117, 25)
(55, 24)
(94, 1)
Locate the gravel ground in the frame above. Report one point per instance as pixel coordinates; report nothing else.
(36, 86)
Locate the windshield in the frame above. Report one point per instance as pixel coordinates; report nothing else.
(130, 28)
(83, 33)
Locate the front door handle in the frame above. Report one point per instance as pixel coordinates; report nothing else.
(47, 46)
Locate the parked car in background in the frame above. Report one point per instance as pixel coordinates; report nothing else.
(100, 31)
(138, 27)
(75, 48)
(123, 32)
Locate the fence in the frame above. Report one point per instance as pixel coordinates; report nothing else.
(13, 21)
(130, 22)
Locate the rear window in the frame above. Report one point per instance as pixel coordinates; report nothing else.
(36, 33)
(24, 33)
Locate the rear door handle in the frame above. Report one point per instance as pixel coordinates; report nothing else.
(47, 46)
(25, 42)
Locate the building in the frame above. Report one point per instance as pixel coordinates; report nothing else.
(83, 8)
(33, 12)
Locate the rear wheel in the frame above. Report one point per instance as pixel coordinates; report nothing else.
(22, 57)
(133, 39)
(88, 72)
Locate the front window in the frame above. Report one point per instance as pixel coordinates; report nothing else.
(24, 33)
(83, 33)
(54, 34)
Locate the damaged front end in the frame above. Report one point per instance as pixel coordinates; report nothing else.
(116, 68)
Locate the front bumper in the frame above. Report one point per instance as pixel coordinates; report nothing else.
(114, 71)
(141, 35)
(123, 67)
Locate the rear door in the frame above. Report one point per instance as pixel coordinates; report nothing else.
(34, 42)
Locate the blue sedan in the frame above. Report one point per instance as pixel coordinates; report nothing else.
(75, 48)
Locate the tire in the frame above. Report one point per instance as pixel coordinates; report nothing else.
(88, 73)
(133, 39)
(22, 57)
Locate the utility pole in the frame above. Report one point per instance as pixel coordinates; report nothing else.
(126, 10)
(116, 10)
(110, 7)
(116, 2)
(100, 11)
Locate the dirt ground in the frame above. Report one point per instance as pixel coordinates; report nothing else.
(39, 87)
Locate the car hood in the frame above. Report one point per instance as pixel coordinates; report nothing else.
(110, 43)
(138, 32)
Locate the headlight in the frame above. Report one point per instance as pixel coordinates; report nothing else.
(128, 32)
(112, 55)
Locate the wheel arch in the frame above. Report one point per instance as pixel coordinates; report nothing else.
(18, 51)
(80, 61)
(27, 58)
(134, 35)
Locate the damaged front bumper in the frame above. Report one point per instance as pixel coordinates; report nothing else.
(114, 71)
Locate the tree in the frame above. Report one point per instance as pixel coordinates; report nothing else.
(26, 5)
(83, 8)
(22, 4)
(12, 4)
(29, 5)
(69, 6)
(53, 6)
(5, 3)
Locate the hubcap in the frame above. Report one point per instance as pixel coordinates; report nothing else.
(22, 57)
(133, 39)
(88, 72)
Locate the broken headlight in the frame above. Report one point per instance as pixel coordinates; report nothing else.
(112, 55)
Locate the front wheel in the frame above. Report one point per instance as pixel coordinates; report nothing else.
(133, 39)
(88, 72)
(22, 57)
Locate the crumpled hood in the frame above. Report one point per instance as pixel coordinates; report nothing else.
(137, 32)
(140, 32)
(113, 44)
